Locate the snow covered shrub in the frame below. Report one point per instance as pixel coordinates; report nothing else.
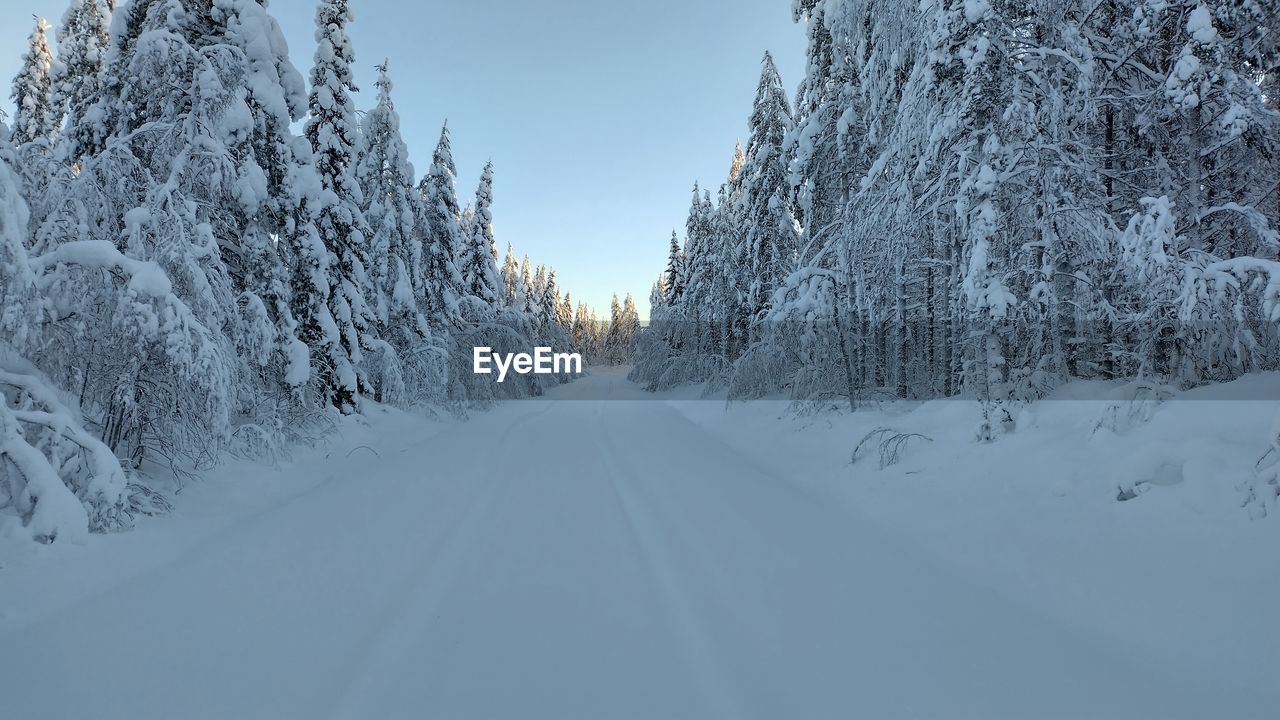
(1137, 404)
(62, 480)
(890, 444)
(761, 371)
(46, 507)
(157, 376)
(690, 370)
(1262, 491)
(1154, 303)
(43, 435)
(1248, 291)
(808, 321)
(382, 370)
(656, 365)
(650, 353)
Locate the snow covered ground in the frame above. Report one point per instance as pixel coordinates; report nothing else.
(601, 554)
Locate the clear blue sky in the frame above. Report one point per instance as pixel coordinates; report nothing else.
(598, 114)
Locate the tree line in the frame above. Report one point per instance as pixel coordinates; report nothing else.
(987, 198)
(182, 275)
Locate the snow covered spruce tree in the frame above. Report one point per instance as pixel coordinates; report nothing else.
(332, 131)
(442, 223)
(770, 243)
(719, 283)
(816, 148)
(479, 262)
(524, 287)
(36, 117)
(259, 238)
(83, 40)
(465, 319)
(391, 207)
(675, 272)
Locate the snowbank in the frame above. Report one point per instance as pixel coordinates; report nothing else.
(1185, 569)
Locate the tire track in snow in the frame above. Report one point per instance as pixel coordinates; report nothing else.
(699, 651)
(415, 601)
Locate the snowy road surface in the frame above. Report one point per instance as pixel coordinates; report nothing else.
(563, 559)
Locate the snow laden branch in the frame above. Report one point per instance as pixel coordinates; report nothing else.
(891, 443)
(146, 279)
(64, 481)
(148, 309)
(1257, 274)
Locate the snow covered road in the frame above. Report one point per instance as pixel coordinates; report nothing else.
(561, 558)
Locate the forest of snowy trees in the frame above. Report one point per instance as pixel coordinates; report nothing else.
(183, 276)
(986, 198)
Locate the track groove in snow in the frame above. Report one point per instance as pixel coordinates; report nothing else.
(700, 656)
(414, 605)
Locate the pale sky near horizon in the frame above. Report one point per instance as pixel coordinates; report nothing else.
(599, 116)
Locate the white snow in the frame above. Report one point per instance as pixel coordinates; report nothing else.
(638, 558)
(1200, 25)
(145, 278)
(975, 10)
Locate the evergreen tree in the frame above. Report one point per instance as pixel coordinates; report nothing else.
(391, 207)
(537, 293)
(36, 122)
(525, 288)
(83, 39)
(115, 112)
(735, 169)
(675, 271)
(266, 235)
(770, 245)
(442, 220)
(814, 144)
(699, 248)
(36, 118)
(657, 295)
(728, 283)
(550, 300)
(564, 312)
(480, 261)
(613, 349)
(386, 181)
(630, 325)
(339, 224)
(510, 278)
